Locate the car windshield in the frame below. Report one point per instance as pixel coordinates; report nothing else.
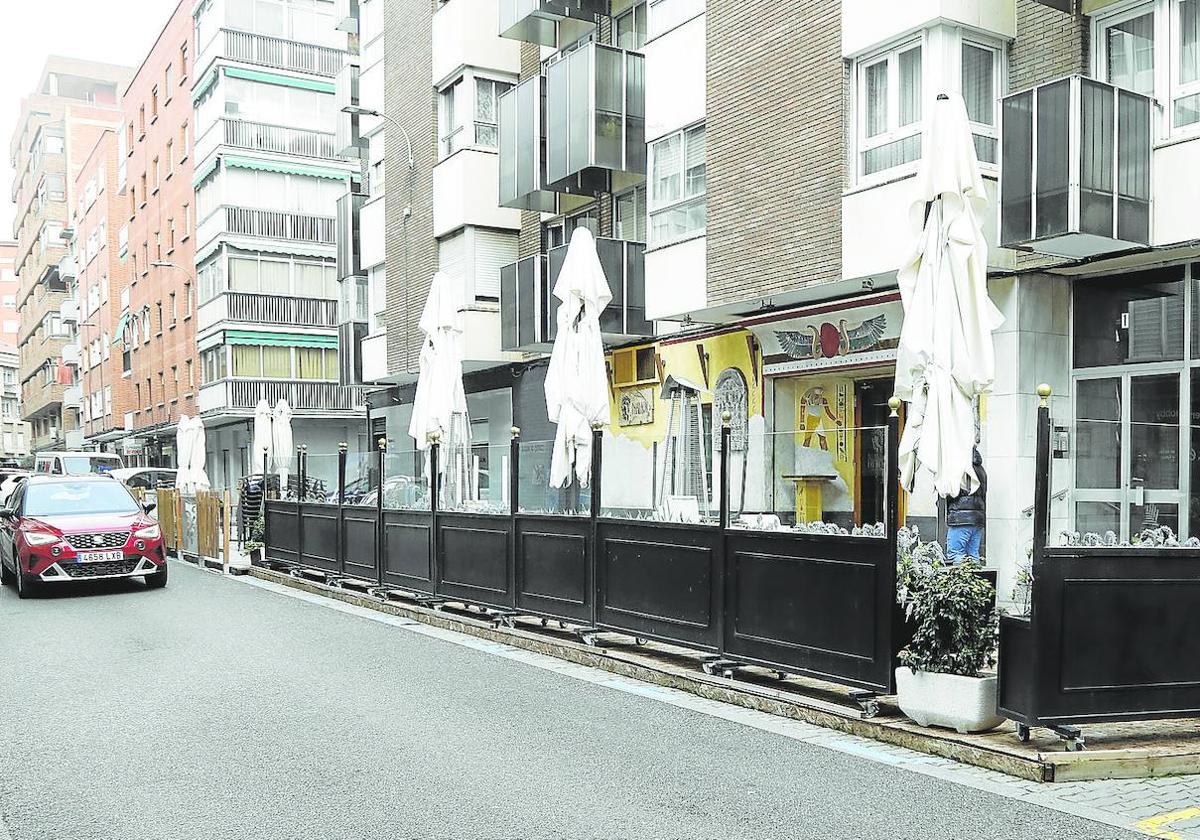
(83, 497)
(83, 464)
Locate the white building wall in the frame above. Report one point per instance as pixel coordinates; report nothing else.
(869, 23)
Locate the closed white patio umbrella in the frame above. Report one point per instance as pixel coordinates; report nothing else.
(197, 471)
(945, 357)
(576, 381)
(262, 446)
(281, 441)
(183, 450)
(440, 403)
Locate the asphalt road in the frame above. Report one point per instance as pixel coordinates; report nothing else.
(212, 709)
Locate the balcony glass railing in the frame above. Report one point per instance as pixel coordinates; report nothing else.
(1075, 176)
(528, 308)
(537, 21)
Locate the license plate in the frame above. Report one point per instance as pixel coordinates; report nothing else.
(99, 556)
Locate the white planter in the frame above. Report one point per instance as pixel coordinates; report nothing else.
(965, 704)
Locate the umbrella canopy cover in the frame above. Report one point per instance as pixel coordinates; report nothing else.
(440, 395)
(262, 447)
(281, 439)
(945, 357)
(199, 455)
(183, 449)
(577, 381)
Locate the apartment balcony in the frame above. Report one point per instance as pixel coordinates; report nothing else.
(464, 193)
(538, 21)
(72, 396)
(266, 137)
(252, 307)
(269, 51)
(38, 400)
(267, 224)
(71, 354)
(528, 308)
(374, 357)
(68, 310)
(1076, 169)
(68, 269)
(523, 154)
(242, 395)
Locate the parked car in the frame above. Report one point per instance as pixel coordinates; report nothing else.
(145, 478)
(58, 529)
(76, 463)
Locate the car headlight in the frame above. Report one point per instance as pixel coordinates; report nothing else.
(150, 532)
(41, 538)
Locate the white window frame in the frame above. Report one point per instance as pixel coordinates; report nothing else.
(894, 131)
(654, 207)
(1167, 86)
(999, 85)
(465, 135)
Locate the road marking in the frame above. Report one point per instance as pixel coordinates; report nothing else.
(945, 769)
(1155, 825)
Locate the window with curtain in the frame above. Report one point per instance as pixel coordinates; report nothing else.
(677, 184)
(273, 277)
(630, 221)
(247, 360)
(243, 274)
(313, 363)
(450, 119)
(889, 109)
(1129, 45)
(277, 362)
(980, 79)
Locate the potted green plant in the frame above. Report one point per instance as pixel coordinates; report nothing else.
(253, 546)
(950, 608)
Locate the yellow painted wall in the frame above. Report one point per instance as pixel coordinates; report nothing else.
(681, 359)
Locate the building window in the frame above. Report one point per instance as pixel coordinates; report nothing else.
(154, 103)
(191, 376)
(677, 183)
(167, 84)
(174, 310)
(157, 175)
(187, 299)
(629, 215)
(183, 61)
(467, 119)
(630, 28)
(183, 141)
(889, 109)
(129, 138)
(187, 222)
(141, 121)
(981, 92)
(170, 157)
(1131, 54)
(170, 235)
(145, 190)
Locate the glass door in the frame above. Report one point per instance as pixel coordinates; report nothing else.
(1127, 446)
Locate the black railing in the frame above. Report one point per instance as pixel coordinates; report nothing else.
(816, 604)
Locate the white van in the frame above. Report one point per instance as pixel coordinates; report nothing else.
(76, 463)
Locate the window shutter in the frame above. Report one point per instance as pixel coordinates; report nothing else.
(493, 250)
(452, 256)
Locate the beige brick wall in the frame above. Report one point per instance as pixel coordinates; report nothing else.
(409, 98)
(775, 146)
(1049, 44)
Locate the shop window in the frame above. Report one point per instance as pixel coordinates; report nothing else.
(1129, 318)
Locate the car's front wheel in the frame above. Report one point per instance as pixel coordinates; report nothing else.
(26, 584)
(157, 580)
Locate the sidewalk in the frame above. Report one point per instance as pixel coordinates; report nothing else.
(1136, 750)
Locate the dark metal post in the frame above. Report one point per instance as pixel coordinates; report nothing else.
(516, 578)
(726, 437)
(303, 473)
(1041, 483)
(342, 455)
(434, 489)
(266, 467)
(341, 514)
(594, 530)
(892, 482)
(381, 454)
(514, 470)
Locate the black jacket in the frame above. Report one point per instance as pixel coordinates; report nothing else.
(969, 509)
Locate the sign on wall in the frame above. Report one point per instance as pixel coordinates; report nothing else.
(732, 395)
(831, 338)
(635, 407)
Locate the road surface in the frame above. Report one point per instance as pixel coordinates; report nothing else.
(218, 709)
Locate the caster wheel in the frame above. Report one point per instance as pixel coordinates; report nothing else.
(640, 642)
(1022, 733)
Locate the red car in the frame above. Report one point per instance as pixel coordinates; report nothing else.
(61, 528)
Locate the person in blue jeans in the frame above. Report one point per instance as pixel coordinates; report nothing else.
(965, 516)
